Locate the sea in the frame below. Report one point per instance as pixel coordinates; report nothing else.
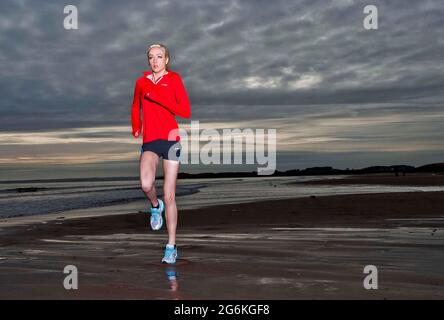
(22, 198)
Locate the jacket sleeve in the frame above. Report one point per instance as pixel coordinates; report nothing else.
(136, 122)
(179, 104)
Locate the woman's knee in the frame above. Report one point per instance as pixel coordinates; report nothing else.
(147, 184)
(169, 197)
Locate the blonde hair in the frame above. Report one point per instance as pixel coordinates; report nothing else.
(167, 53)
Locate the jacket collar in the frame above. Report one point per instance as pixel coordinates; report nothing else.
(149, 75)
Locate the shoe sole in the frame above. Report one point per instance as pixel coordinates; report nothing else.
(165, 262)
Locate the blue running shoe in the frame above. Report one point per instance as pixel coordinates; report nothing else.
(171, 273)
(156, 219)
(172, 277)
(170, 254)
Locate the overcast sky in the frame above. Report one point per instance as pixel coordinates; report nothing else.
(337, 94)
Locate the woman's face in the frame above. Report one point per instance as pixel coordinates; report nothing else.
(157, 59)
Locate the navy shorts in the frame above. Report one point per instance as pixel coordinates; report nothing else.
(166, 149)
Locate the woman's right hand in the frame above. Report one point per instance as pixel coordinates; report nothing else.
(136, 133)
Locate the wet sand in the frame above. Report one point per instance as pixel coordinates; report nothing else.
(305, 248)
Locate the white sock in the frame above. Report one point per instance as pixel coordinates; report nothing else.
(171, 246)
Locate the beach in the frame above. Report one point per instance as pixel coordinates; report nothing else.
(307, 247)
(410, 179)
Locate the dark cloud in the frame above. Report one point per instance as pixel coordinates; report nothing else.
(240, 61)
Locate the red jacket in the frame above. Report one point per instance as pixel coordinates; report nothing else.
(160, 102)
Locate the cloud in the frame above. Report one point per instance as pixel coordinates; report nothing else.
(310, 66)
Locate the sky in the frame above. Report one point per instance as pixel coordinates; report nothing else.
(337, 94)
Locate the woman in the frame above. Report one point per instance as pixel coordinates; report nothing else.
(162, 96)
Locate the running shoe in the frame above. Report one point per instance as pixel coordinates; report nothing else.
(171, 273)
(156, 219)
(172, 277)
(170, 255)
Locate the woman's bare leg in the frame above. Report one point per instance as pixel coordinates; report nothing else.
(148, 164)
(170, 170)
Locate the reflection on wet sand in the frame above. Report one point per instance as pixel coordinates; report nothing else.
(171, 274)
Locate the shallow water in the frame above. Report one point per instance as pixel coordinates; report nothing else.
(191, 193)
(256, 189)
